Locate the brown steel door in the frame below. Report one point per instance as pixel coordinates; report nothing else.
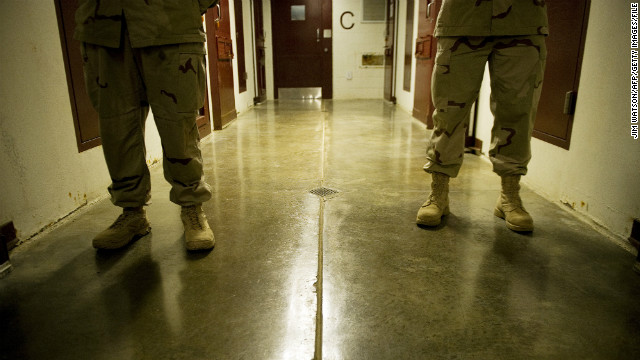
(85, 117)
(565, 44)
(261, 71)
(425, 54)
(389, 44)
(220, 52)
(302, 44)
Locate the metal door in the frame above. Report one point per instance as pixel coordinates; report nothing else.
(220, 52)
(565, 46)
(425, 55)
(302, 48)
(85, 117)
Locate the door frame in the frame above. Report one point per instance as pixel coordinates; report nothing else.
(425, 51)
(390, 79)
(259, 52)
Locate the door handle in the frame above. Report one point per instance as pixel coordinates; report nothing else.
(419, 48)
(219, 18)
(318, 34)
(429, 9)
(569, 103)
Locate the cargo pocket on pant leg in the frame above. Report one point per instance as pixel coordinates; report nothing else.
(440, 86)
(91, 69)
(191, 77)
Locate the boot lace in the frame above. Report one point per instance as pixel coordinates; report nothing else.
(513, 197)
(437, 188)
(124, 218)
(193, 218)
(119, 221)
(511, 191)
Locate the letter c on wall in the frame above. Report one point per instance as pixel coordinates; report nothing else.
(342, 20)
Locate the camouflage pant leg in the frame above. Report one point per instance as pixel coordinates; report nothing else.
(457, 76)
(116, 92)
(517, 66)
(174, 77)
(121, 83)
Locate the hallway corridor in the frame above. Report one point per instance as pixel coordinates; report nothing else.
(345, 274)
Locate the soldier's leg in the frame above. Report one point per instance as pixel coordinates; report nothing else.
(517, 69)
(457, 76)
(175, 80)
(115, 89)
(174, 77)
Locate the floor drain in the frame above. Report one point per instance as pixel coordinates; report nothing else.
(323, 191)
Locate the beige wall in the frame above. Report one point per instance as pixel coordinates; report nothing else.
(599, 175)
(42, 175)
(348, 48)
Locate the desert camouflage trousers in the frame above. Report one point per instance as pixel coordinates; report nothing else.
(516, 67)
(122, 84)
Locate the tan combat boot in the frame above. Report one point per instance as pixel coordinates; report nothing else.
(129, 226)
(509, 206)
(437, 205)
(197, 233)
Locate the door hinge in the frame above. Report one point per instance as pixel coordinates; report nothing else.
(570, 102)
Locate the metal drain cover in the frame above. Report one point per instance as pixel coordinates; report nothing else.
(323, 191)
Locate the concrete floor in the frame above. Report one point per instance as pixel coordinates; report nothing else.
(346, 276)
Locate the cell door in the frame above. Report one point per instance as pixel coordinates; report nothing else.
(425, 54)
(220, 52)
(302, 63)
(85, 117)
(565, 47)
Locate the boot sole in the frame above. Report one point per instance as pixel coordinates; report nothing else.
(499, 213)
(435, 222)
(200, 245)
(118, 245)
